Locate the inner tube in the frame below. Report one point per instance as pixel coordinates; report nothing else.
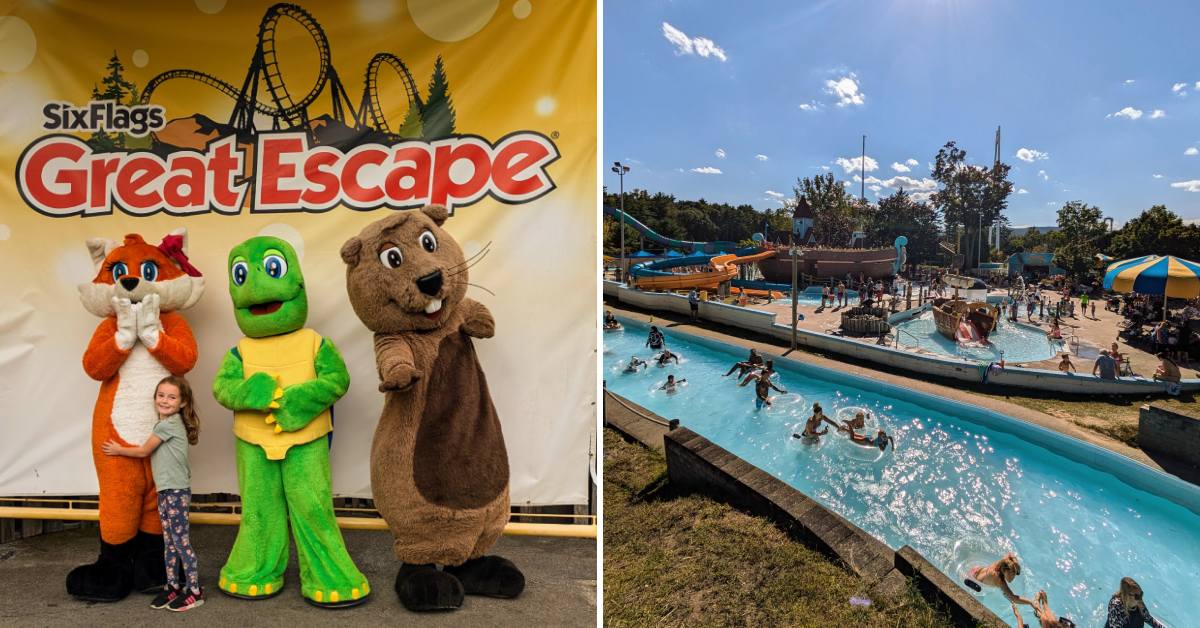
(969, 554)
(796, 442)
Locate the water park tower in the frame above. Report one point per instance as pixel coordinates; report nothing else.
(802, 222)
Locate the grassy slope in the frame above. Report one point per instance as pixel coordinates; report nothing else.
(693, 561)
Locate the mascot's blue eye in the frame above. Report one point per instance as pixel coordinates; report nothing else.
(149, 271)
(119, 270)
(239, 273)
(275, 266)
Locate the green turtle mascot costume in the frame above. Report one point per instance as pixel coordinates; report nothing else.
(280, 381)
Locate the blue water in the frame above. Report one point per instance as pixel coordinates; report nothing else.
(811, 297)
(1019, 343)
(959, 492)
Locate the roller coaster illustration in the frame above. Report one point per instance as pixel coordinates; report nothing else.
(356, 125)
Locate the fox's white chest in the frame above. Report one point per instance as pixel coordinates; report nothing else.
(133, 413)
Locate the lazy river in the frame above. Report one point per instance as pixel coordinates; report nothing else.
(963, 485)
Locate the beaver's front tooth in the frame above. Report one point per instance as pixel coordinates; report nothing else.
(433, 306)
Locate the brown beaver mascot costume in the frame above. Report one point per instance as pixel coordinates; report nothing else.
(439, 468)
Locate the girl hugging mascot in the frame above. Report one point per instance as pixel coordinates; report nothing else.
(137, 292)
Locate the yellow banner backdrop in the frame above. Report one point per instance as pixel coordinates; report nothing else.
(306, 122)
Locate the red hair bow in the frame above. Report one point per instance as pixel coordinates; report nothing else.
(172, 247)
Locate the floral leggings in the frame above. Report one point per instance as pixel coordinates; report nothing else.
(173, 512)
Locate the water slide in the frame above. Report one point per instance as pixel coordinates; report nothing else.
(687, 245)
(720, 268)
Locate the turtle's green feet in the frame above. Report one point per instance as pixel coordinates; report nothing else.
(250, 590)
(336, 597)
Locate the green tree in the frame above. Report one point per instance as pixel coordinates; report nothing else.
(411, 127)
(899, 215)
(437, 117)
(969, 197)
(1156, 231)
(835, 215)
(1082, 234)
(119, 90)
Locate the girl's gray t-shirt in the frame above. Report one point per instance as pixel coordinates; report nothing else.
(170, 460)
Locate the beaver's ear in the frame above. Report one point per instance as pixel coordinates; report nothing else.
(100, 248)
(438, 213)
(350, 251)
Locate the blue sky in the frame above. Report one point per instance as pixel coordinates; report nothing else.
(731, 102)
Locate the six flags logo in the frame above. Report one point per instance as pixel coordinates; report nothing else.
(60, 175)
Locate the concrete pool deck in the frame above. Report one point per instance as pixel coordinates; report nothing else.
(769, 347)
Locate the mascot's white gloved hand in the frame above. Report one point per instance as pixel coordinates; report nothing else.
(126, 323)
(148, 324)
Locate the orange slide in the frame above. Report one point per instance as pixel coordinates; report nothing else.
(723, 268)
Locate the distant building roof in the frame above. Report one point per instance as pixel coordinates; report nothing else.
(802, 209)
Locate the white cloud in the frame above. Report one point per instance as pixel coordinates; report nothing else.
(856, 164)
(1022, 191)
(809, 106)
(1188, 186)
(1130, 81)
(911, 162)
(707, 170)
(1043, 175)
(685, 45)
(846, 89)
(824, 167)
(720, 153)
(1179, 87)
(1157, 113)
(874, 188)
(1127, 112)
(776, 195)
(1052, 202)
(761, 157)
(1197, 85)
(1156, 176)
(1030, 155)
(899, 167)
(1192, 150)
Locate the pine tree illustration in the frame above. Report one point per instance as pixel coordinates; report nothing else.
(100, 141)
(411, 127)
(116, 89)
(437, 117)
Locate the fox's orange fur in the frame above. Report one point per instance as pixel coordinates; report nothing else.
(124, 410)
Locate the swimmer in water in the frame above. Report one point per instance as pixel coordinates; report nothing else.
(670, 385)
(744, 367)
(768, 368)
(999, 574)
(1046, 617)
(851, 427)
(762, 389)
(665, 357)
(635, 363)
(655, 340)
(610, 321)
(810, 435)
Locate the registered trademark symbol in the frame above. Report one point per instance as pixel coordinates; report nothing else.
(554, 135)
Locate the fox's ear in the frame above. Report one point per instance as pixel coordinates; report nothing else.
(100, 248)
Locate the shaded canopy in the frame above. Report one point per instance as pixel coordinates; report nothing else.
(1151, 274)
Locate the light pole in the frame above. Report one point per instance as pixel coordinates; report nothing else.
(794, 253)
(621, 170)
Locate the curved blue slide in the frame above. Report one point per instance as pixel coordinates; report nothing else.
(694, 247)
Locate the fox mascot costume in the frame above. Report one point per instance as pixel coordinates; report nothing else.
(137, 292)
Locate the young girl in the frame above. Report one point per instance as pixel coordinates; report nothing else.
(167, 447)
